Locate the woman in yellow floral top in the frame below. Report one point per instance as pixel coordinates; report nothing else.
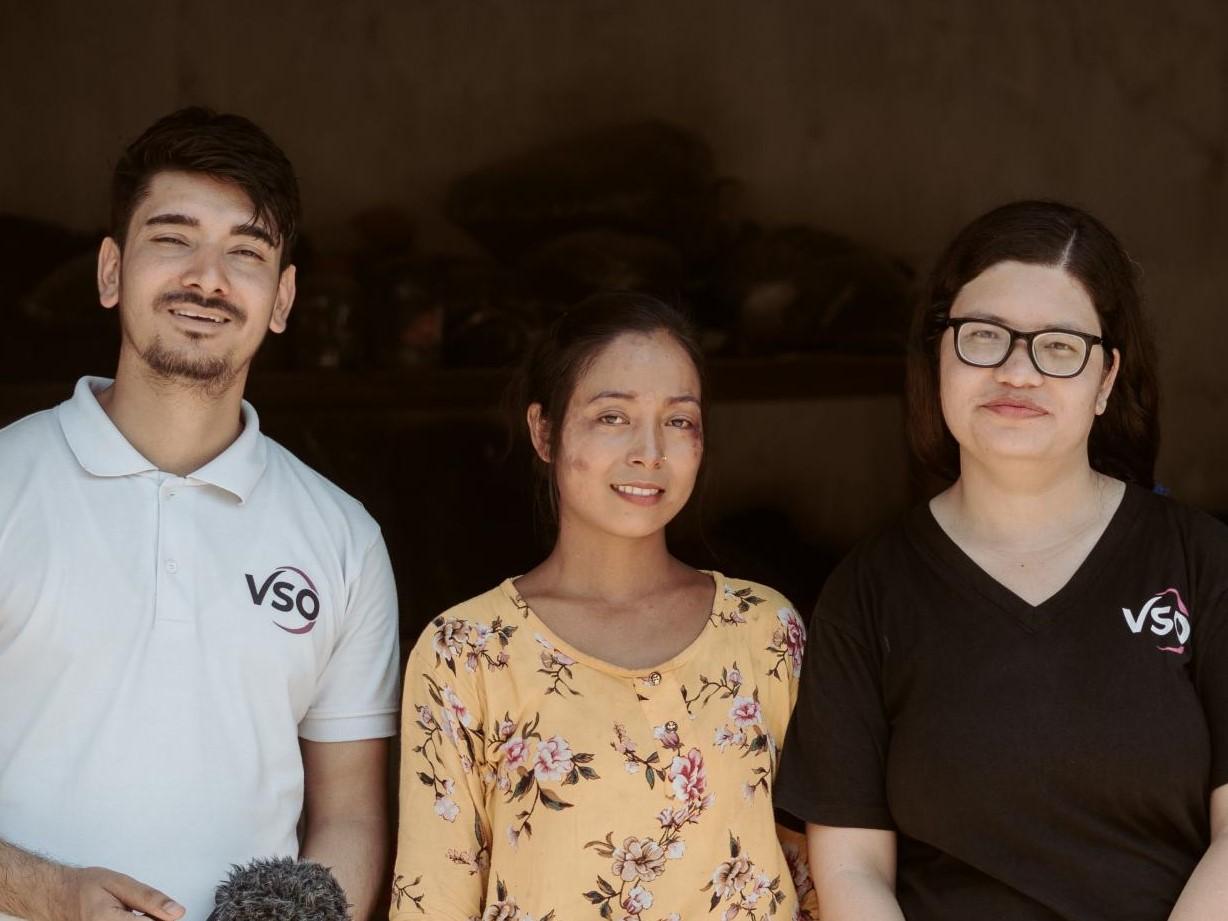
(599, 738)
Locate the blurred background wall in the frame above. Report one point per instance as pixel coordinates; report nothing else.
(891, 122)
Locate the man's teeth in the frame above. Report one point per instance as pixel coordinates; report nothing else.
(638, 491)
(197, 316)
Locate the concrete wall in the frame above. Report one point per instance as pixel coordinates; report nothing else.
(888, 120)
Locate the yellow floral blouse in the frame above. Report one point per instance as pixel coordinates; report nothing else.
(542, 784)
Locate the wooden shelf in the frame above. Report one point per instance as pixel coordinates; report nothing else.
(800, 377)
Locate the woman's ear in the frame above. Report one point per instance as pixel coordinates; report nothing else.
(1106, 385)
(539, 431)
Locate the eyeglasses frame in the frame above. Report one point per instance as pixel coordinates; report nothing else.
(956, 322)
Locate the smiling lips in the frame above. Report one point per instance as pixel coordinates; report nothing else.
(190, 314)
(639, 493)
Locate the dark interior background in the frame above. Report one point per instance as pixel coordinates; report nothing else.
(784, 169)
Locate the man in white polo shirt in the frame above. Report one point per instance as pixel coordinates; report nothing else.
(198, 634)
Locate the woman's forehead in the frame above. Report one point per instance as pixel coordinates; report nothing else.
(640, 364)
(1028, 297)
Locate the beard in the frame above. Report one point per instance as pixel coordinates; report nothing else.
(210, 374)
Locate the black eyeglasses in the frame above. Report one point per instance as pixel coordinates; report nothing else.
(1054, 352)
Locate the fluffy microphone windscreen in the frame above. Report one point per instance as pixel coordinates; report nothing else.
(280, 889)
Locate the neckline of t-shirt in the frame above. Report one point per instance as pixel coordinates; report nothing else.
(965, 571)
(508, 586)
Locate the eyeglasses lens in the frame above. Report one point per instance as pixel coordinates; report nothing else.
(983, 343)
(986, 345)
(1059, 354)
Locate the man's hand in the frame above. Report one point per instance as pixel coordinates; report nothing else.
(41, 890)
(97, 894)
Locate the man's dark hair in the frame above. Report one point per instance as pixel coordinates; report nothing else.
(228, 148)
(1124, 440)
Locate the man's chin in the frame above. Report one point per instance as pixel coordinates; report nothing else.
(210, 372)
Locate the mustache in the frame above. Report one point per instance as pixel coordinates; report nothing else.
(191, 297)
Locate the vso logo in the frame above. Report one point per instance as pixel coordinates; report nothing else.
(1166, 615)
(290, 592)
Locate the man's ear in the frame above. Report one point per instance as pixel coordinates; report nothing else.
(284, 301)
(539, 431)
(109, 259)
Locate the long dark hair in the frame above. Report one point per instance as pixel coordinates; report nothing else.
(569, 346)
(1125, 439)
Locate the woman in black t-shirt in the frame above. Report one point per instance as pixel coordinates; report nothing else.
(1015, 702)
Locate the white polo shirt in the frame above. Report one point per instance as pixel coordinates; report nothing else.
(165, 641)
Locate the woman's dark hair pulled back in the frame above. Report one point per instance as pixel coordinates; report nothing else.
(568, 347)
(1124, 440)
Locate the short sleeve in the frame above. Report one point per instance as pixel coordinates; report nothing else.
(443, 838)
(1211, 679)
(833, 762)
(356, 696)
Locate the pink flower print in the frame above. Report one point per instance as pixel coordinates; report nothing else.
(688, 777)
(503, 910)
(745, 712)
(466, 763)
(667, 735)
(515, 753)
(426, 719)
(449, 639)
(623, 744)
(457, 707)
(725, 737)
(553, 759)
(672, 818)
(731, 876)
(636, 900)
(734, 677)
(676, 850)
(639, 858)
(798, 869)
(457, 713)
(631, 767)
(502, 659)
(552, 656)
(505, 729)
(760, 886)
(791, 635)
(471, 662)
(481, 635)
(446, 809)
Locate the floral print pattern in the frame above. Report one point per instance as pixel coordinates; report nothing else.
(456, 640)
(743, 887)
(526, 761)
(650, 767)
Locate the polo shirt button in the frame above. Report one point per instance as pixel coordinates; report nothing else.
(655, 678)
(172, 567)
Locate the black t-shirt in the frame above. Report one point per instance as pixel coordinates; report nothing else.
(1049, 762)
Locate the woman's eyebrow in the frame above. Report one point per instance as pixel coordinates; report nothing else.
(614, 395)
(630, 395)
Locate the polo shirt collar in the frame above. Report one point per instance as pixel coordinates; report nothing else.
(102, 450)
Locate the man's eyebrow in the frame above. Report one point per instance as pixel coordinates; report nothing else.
(181, 220)
(256, 232)
(685, 398)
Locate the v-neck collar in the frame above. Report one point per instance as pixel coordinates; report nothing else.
(961, 570)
